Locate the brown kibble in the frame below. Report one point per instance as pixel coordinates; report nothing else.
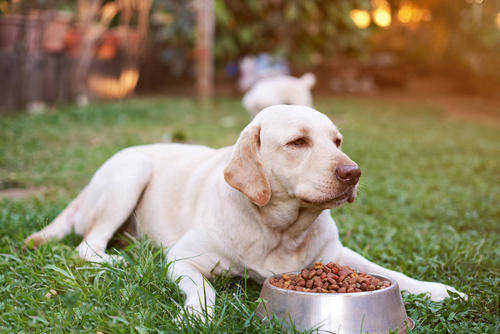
(346, 270)
(311, 274)
(305, 273)
(301, 282)
(317, 281)
(328, 278)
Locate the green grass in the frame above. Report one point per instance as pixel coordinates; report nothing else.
(427, 206)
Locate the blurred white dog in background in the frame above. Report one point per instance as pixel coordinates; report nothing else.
(279, 90)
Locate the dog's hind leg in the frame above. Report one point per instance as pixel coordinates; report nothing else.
(103, 206)
(60, 226)
(113, 193)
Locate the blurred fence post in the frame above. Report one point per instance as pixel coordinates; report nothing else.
(204, 49)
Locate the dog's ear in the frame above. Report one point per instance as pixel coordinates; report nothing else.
(308, 79)
(245, 172)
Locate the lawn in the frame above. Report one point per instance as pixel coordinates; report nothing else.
(427, 206)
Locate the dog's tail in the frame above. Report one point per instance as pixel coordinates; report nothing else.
(308, 79)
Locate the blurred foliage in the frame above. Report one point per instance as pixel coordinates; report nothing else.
(302, 31)
(172, 31)
(473, 38)
(461, 36)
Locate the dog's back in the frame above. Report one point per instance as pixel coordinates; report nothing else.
(279, 90)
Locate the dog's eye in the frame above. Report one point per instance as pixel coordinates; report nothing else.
(298, 142)
(338, 141)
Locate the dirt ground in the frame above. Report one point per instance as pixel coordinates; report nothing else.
(20, 193)
(443, 92)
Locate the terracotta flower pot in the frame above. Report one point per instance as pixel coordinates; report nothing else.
(107, 46)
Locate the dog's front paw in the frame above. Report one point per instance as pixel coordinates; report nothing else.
(439, 291)
(35, 240)
(193, 308)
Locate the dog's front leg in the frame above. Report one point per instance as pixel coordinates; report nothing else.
(347, 257)
(200, 295)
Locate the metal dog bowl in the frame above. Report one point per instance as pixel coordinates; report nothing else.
(342, 313)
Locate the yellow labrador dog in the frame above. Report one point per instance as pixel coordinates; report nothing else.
(262, 205)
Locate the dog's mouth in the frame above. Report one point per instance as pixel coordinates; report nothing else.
(347, 196)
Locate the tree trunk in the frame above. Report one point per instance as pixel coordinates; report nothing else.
(204, 49)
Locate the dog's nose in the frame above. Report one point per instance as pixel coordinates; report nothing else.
(348, 174)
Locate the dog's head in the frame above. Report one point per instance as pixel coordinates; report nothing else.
(293, 151)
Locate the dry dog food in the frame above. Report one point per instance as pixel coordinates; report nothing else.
(329, 278)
